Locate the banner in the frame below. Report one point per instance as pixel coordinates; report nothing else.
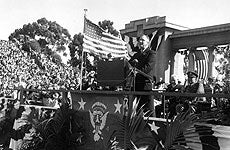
(100, 112)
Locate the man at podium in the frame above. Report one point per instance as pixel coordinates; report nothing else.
(144, 65)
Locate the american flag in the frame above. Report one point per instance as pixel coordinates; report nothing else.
(201, 63)
(98, 42)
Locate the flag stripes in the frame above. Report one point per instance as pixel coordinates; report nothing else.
(97, 41)
(103, 47)
(107, 43)
(201, 63)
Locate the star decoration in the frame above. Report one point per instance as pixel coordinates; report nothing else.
(153, 127)
(118, 107)
(82, 104)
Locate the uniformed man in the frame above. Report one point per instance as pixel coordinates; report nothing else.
(191, 87)
(196, 86)
(193, 84)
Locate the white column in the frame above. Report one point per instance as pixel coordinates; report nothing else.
(211, 66)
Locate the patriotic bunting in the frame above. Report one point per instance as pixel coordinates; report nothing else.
(201, 63)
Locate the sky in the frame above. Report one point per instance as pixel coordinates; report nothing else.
(70, 13)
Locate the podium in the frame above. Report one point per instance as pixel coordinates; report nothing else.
(111, 73)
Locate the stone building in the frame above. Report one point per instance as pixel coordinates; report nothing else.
(180, 43)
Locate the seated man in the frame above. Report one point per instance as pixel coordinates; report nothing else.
(195, 86)
(173, 101)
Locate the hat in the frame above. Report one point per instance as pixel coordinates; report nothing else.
(192, 74)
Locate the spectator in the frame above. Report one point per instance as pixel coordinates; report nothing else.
(173, 101)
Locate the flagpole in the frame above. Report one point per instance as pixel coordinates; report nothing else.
(82, 55)
(81, 69)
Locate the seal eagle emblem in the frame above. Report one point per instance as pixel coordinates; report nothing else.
(98, 118)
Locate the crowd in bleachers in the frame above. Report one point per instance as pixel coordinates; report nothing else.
(18, 68)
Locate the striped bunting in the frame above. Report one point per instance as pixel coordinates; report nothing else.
(98, 42)
(201, 63)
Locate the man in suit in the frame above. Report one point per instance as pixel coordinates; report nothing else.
(144, 60)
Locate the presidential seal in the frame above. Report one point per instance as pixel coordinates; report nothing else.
(98, 119)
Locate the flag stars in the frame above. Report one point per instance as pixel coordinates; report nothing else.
(118, 107)
(82, 104)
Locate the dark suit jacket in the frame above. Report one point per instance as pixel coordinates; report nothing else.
(146, 63)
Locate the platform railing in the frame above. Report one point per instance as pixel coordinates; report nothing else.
(160, 94)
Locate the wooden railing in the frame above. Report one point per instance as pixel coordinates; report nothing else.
(159, 94)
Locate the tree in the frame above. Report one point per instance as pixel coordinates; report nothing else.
(76, 48)
(107, 25)
(42, 36)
